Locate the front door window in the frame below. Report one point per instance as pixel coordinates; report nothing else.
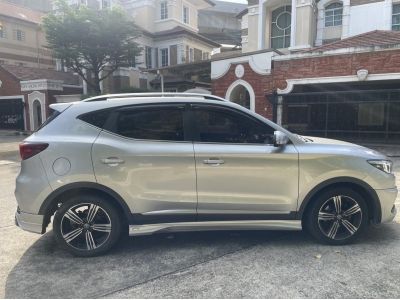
(225, 126)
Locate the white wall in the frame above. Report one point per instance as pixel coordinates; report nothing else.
(368, 17)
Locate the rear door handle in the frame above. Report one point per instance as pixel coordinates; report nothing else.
(112, 161)
(213, 161)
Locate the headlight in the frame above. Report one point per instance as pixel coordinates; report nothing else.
(383, 165)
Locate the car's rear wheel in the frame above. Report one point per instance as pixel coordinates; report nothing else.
(87, 225)
(337, 216)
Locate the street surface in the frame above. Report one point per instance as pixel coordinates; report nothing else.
(204, 264)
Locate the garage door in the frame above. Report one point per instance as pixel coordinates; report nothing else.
(11, 114)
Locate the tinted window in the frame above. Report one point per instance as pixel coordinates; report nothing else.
(165, 124)
(96, 118)
(222, 126)
(53, 114)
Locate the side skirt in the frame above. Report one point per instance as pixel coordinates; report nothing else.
(135, 230)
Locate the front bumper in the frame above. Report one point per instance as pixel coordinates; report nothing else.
(29, 222)
(387, 199)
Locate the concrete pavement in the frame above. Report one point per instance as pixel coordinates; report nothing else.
(9, 144)
(203, 264)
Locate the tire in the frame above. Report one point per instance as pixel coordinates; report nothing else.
(337, 216)
(87, 225)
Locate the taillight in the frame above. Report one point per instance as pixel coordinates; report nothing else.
(27, 150)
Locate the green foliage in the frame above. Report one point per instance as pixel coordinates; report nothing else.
(89, 41)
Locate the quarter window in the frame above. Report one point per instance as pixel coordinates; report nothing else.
(96, 118)
(163, 124)
(333, 14)
(164, 10)
(396, 17)
(281, 27)
(224, 126)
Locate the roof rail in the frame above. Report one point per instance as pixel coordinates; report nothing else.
(141, 95)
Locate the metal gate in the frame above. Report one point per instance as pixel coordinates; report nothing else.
(12, 114)
(350, 115)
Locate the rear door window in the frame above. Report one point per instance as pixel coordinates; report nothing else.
(151, 123)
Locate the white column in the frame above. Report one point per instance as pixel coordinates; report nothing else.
(320, 22)
(293, 25)
(388, 14)
(84, 83)
(346, 19)
(261, 25)
(279, 110)
(101, 82)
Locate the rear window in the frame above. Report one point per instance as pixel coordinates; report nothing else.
(96, 118)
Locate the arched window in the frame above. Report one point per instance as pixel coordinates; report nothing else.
(281, 22)
(242, 93)
(37, 114)
(333, 14)
(241, 96)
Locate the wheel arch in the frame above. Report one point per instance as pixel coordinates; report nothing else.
(50, 204)
(368, 193)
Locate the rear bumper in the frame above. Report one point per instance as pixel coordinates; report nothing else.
(29, 222)
(387, 199)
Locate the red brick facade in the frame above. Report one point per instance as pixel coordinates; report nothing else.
(377, 62)
(11, 89)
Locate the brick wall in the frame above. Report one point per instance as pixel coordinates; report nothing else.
(260, 85)
(335, 65)
(10, 85)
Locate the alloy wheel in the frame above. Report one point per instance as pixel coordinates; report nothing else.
(340, 217)
(85, 226)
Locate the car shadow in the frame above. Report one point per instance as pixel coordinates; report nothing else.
(46, 271)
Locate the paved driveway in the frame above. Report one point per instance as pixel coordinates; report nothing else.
(220, 264)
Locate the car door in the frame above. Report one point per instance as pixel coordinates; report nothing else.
(144, 156)
(240, 174)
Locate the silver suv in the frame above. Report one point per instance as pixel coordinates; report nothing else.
(181, 162)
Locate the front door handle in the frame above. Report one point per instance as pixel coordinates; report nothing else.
(112, 161)
(213, 161)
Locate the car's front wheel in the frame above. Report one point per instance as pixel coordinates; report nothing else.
(337, 216)
(87, 225)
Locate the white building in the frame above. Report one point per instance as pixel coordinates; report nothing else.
(169, 36)
(301, 24)
(329, 68)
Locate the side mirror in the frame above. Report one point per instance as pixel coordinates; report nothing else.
(280, 139)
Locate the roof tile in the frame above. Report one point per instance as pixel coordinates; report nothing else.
(368, 39)
(19, 12)
(26, 73)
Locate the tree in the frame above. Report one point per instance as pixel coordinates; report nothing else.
(92, 43)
